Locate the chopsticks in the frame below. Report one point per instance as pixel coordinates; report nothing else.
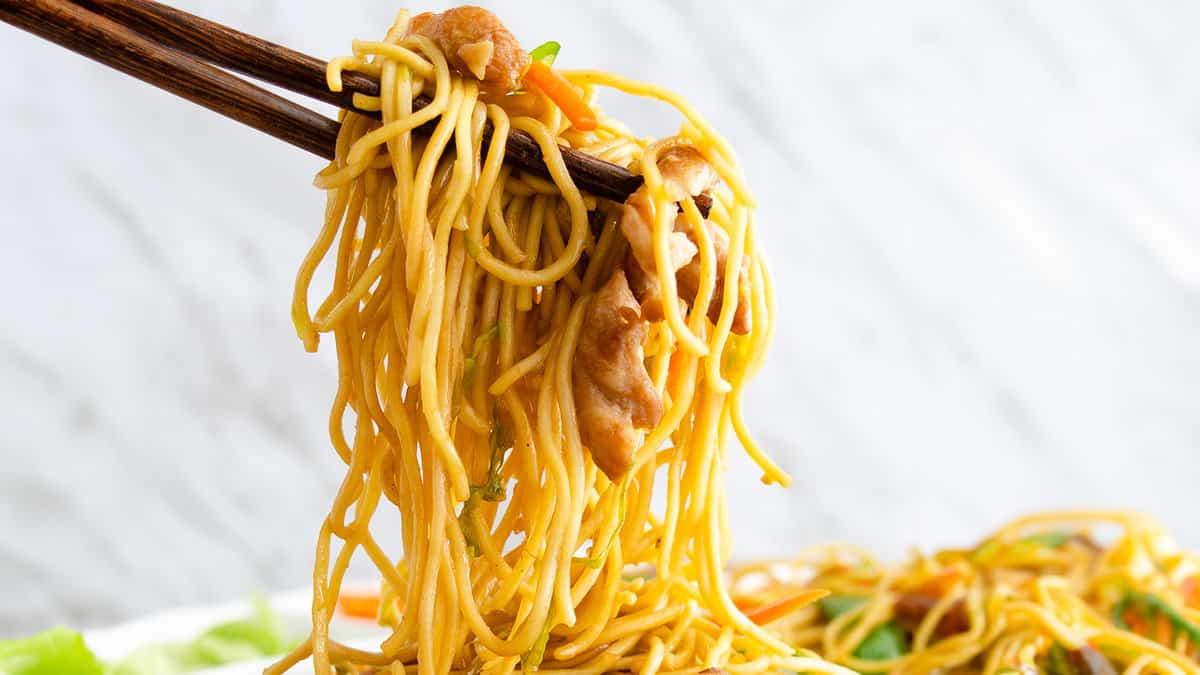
(173, 50)
(120, 47)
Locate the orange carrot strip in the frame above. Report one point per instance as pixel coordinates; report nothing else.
(563, 94)
(1190, 589)
(359, 606)
(765, 614)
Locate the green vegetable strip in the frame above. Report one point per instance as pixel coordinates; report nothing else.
(1057, 662)
(1148, 605)
(1053, 540)
(493, 488)
(472, 361)
(1047, 539)
(884, 643)
(598, 559)
(533, 659)
(546, 52)
(833, 606)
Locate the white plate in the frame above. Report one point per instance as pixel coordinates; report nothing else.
(184, 624)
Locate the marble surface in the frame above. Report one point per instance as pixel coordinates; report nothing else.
(984, 220)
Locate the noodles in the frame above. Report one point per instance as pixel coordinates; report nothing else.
(506, 383)
(1041, 595)
(519, 364)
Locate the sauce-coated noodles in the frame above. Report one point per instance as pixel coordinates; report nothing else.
(501, 385)
(1068, 593)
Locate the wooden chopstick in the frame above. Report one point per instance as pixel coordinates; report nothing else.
(230, 48)
(115, 45)
(303, 74)
(167, 47)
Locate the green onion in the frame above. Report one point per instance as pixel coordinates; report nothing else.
(883, 643)
(598, 559)
(1047, 539)
(545, 52)
(833, 606)
(1148, 605)
(1057, 662)
(1040, 540)
(466, 521)
(492, 489)
(985, 551)
(472, 361)
(533, 658)
(499, 440)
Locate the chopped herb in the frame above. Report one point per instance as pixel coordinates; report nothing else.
(545, 52)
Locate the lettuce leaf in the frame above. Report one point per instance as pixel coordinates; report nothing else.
(62, 651)
(255, 637)
(53, 652)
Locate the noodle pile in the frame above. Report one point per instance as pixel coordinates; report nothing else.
(1041, 595)
(460, 297)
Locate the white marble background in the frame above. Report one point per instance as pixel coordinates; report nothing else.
(984, 219)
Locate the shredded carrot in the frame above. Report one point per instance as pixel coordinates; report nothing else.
(1190, 589)
(765, 614)
(1135, 622)
(563, 94)
(940, 583)
(1162, 630)
(359, 605)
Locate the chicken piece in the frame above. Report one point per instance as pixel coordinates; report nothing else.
(912, 606)
(687, 281)
(476, 43)
(614, 395)
(685, 173)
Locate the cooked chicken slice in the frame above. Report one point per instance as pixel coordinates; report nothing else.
(614, 395)
(476, 43)
(684, 173)
(637, 224)
(687, 281)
